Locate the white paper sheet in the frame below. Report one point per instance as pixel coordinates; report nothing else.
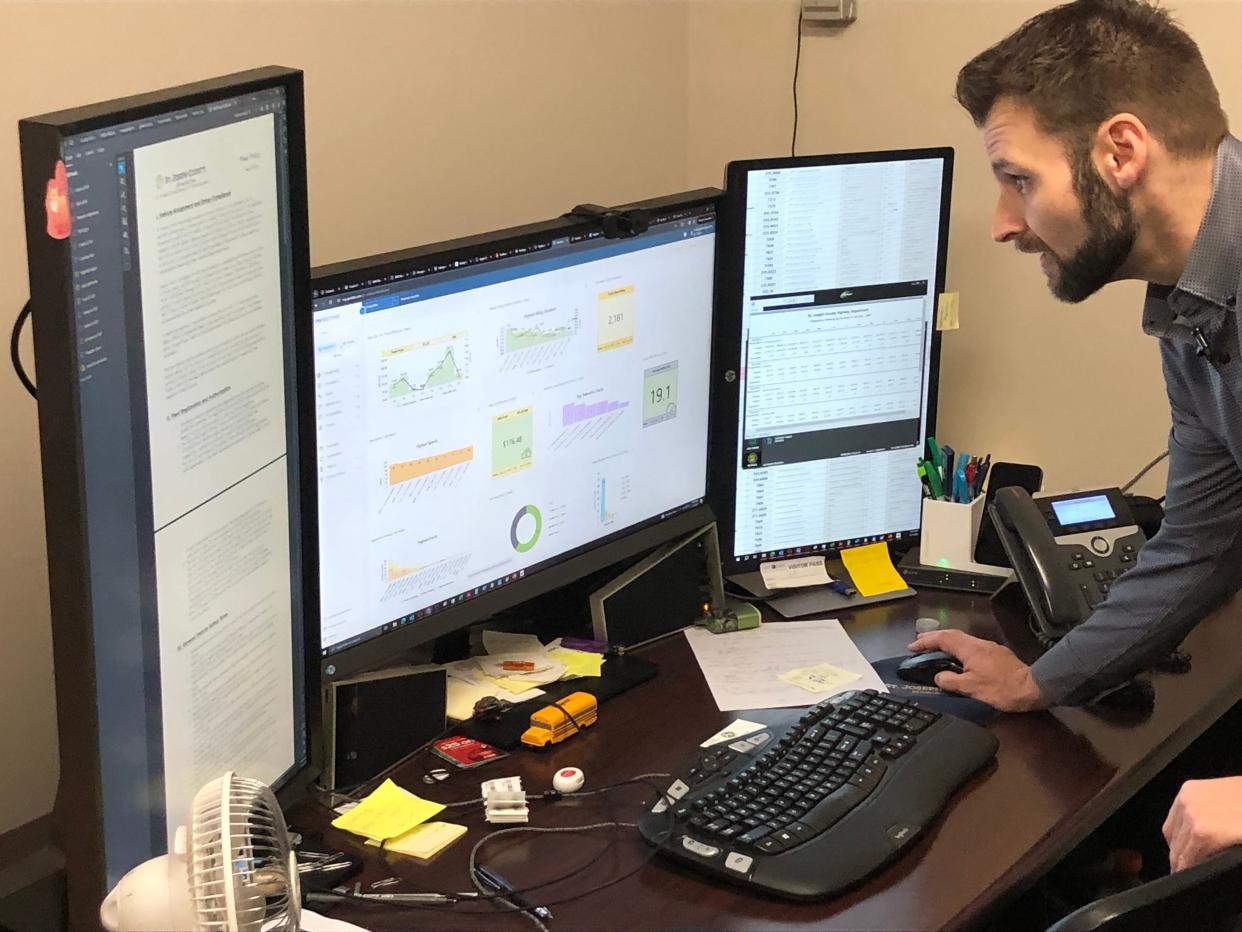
(743, 668)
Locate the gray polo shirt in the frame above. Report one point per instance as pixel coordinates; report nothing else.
(1195, 561)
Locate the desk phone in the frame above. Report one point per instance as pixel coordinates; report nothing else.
(1067, 551)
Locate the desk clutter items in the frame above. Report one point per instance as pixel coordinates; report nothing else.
(387, 812)
(744, 670)
(791, 574)
(423, 841)
(568, 780)
(821, 678)
(739, 728)
(902, 760)
(466, 753)
(734, 616)
(563, 719)
(504, 800)
(953, 517)
(871, 569)
(513, 668)
(948, 475)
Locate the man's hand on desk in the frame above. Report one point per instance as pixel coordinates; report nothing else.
(1206, 818)
(990, 673)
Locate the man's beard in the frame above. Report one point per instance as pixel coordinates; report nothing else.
(1111, 232)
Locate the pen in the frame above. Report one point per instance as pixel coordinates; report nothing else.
(933, 479)
(922, 471)
(982, 473)
(933, 451)
(500, 885)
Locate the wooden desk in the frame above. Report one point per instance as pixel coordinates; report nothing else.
(1057, 776)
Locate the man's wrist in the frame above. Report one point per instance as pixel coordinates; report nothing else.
(1027, 695)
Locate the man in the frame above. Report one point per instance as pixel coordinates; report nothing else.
(1107, 138)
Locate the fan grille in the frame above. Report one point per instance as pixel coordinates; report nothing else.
(239, 865)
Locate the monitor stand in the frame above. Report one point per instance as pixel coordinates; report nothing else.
(795, 603)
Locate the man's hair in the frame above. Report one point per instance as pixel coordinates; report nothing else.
(1080, 63)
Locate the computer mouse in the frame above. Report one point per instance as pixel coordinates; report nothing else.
(922, 668)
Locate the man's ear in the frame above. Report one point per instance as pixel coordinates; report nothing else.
(1122, 148)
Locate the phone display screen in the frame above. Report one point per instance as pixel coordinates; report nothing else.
(1081, 510)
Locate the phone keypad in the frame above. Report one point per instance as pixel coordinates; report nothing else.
(1095, 575)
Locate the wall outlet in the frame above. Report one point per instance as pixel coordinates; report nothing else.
(830, 12)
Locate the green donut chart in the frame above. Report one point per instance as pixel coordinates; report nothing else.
(522, 546)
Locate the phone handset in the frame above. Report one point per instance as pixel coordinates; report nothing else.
(1039, 563)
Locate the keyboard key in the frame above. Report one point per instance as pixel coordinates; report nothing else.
(756, 834)
(770, 845)
(786, 838)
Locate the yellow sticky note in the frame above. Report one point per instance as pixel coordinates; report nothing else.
(424, 841)
(388, 812)
(946, 311)
(579, 662)
(820, 678)
(871, 569)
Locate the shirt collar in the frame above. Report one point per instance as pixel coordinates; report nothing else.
(1215, 261)
(1214, 265)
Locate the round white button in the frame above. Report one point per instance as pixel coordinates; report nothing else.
(1099, 545)
(568, 780)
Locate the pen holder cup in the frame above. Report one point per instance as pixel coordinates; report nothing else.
(949, 532)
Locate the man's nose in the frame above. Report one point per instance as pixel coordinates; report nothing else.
(1007, 222)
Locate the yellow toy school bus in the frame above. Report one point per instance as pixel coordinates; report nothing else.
(557, 722)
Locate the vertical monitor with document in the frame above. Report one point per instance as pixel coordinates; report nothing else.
(168, 253)
(829, 286)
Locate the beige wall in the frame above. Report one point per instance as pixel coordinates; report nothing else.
(1075, 388)
(426, 120)
(434, 119)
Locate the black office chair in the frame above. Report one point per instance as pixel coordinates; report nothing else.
(1205, 897)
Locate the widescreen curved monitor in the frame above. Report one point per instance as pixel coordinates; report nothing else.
(499, 415)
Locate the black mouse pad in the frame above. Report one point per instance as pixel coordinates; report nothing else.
(932, 697)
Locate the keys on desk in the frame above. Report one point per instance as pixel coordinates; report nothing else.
(790, 807)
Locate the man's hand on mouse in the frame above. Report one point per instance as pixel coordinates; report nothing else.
(990, 673)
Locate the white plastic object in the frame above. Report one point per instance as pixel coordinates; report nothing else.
(153, 897)
(233, 870)
(568, 780)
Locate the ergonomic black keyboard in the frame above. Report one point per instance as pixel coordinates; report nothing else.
(813, 806)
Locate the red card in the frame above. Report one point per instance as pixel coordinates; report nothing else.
(465, 752)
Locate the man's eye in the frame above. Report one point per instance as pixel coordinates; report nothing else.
(1019, 183)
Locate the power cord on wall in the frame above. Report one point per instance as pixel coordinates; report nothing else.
(1142, 472)
(14, 344)
(793, 142)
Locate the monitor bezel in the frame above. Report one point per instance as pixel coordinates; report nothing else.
(395, 647)
(77, 813)
(727, 345)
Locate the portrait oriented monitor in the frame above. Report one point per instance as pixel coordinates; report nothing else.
(498, 415)
(167, 247)
(828, 352)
